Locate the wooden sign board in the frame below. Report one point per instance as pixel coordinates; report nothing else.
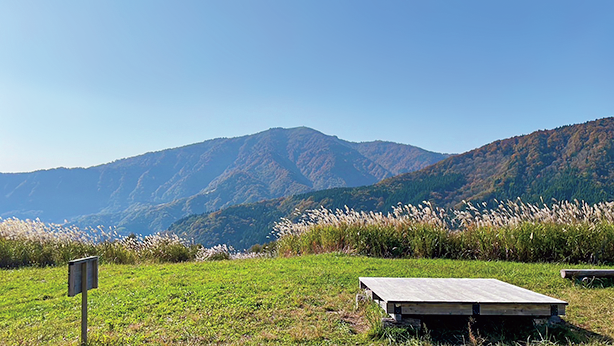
(75, 274)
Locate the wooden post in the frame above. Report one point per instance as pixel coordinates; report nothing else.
(84, 303)
(82, 275)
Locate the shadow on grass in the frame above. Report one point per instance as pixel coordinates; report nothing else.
(491, 330)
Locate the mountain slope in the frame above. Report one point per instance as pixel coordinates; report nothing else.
(571, 162)
(148, 192)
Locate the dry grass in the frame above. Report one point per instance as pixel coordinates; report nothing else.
(34, 243)
(505, 214)
(564, 232)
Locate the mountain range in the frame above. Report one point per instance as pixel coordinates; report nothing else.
(147, 193)
(567, 163)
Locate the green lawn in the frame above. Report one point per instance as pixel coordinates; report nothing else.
(307, 299)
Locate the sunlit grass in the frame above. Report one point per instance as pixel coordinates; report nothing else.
(304, 299)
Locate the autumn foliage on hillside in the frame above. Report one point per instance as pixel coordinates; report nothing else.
(565, 164)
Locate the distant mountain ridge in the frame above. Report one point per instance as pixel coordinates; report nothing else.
(148, 192)
(570, 162)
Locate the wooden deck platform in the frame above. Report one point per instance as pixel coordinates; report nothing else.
(586, 273)
(464, 297)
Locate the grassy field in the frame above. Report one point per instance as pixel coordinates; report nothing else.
(305, 299)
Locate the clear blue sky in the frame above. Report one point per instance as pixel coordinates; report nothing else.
(87, 82)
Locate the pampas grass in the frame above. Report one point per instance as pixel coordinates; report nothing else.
(572, 232)
(34, 243)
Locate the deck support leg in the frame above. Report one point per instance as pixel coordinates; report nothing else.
(398, 317)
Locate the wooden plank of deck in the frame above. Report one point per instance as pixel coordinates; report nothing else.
(453, 290)
(465, 309)
(587, 273)
(451, 296)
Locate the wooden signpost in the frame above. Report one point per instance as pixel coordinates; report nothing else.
(82, 276)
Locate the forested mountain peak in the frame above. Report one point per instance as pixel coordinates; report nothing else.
(566, 163)
(146, 193)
